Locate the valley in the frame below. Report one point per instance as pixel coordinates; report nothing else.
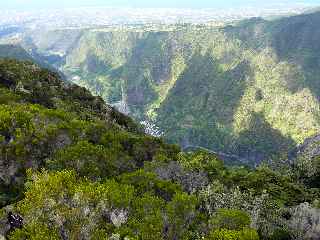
(159, 130)
(247, 89)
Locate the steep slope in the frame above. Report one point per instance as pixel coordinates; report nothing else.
(72, 167)
(30, 132)
(306, 157)
(15, 52)
(236, 89)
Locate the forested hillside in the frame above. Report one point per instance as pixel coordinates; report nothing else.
(72, 167)
(249, 89)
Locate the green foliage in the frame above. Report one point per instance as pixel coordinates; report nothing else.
(60, 200)
(231, 89)
(147, 182)
(147, 222)
(181, 213)
(281, 234)
(77, 205)
(75, 168)
(16, 52)
(35, 231)
(230, 219)
(40, 86)
(203, 161)
(7, 96)
(309, 166)
(282, 187)
(224, 234)
(87, 159)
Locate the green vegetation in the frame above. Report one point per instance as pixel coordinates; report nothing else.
(16, 52)
(250, 89)
(74, 168)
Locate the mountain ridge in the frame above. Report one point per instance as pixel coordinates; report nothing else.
(230, 76)
(72, 167)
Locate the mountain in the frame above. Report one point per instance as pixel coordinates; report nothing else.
(73, 167)
(30, 132)
(15, 51)
(249, 89)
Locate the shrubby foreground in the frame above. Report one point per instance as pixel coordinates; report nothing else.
(74, 168)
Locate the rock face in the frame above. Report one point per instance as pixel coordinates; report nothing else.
(306, 221)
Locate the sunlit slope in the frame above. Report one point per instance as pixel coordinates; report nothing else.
(250, 89)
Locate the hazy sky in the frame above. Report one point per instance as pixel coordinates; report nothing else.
(34, 4)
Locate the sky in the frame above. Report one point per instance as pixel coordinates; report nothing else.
(45, 4)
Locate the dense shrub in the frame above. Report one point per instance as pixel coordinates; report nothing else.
(91, 174)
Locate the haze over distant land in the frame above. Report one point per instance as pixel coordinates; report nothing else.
(32, 4)
(159, 119)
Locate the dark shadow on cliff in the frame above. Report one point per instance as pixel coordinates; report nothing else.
(201, 105)
(296, 40)
(261, 142)
(148, 63)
